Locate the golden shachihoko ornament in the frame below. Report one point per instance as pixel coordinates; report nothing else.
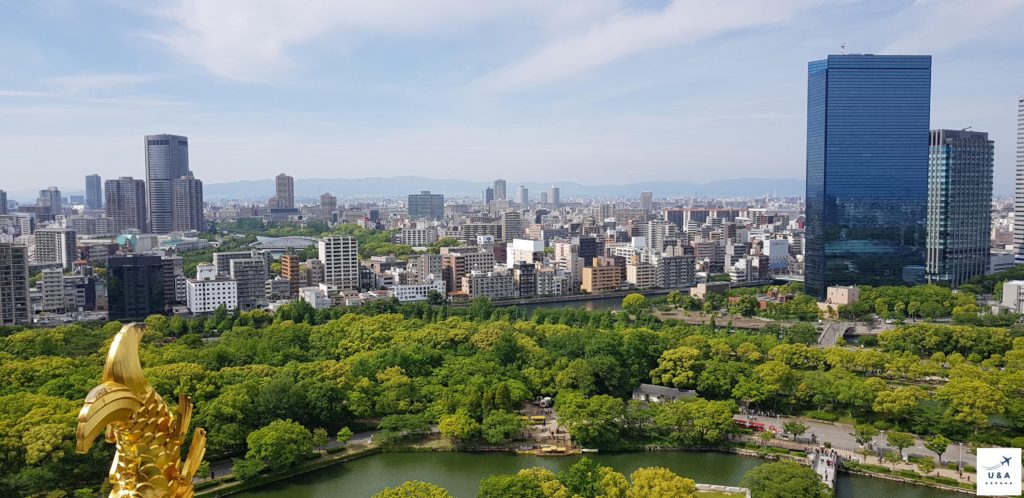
(147, 435)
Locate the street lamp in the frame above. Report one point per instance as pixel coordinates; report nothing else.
(959, 458)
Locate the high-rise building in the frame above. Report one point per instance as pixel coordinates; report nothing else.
(14, 295)
(188, 204)
(56, 245)
(646, 201)
(499, 190)
(522, 195)
(175, 290)
(209, 291)
(93, 192)
(867, 169)
(290, 271)
(425, 205)
(251, 277)
(126, 204)
(284, 192)
(328, 205)
(135, 287)
(166, 161)
(511, 225)
(488, 195)
(340, 256)
(1018, 201)
(51, 198)
(3, 202)
(554, 196)
(959, 205)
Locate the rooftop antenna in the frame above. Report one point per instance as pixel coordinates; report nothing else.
(966, 129)
(843, 48)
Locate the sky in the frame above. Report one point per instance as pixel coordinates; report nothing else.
(592, 91)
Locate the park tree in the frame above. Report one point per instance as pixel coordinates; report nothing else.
(937, 444)
(794, 427)
(926, 466)
(280, 444)
(344, 435)
(900, 403)
(659, 482)
(583, 478)
(971, 401)
(784, 480)
(527, 483)
(501, 426)
(900, 440)
(414, 489)
(674, 298)
(864, 433)
(592, 421)
(320, 438)
(679, 367)
(459, 426)
(634, 304)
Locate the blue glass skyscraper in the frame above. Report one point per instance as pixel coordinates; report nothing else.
(867, 169)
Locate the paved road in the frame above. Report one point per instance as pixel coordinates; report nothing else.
(840, 435)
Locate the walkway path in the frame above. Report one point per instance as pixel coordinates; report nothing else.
(222, 468)
(824, 462)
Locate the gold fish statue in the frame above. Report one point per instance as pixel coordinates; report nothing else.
(147, 435)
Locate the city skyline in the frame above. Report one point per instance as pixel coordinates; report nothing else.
(401, 96)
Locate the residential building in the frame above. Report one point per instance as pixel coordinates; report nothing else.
(278, 289)
(524, 251)
(93, 192)
(188, 204)
(646, 201)
(417, 237)
(867, 169)
(126, 205)
(14, 294)
(457, 264)
(51, 198)
(209, 291)
(1018, 199)
(554, 282)
(166, 161)
(524, 279)
(421, 266)
(554, 196)
(328, 205)
(222, 261)
(641, 275)
(960, 166)
(175, 289)
(419, 291)
(250, 275)
(290, 271)
(3, 202)
(88, 225)
(340, 256)
(56, 245)
(511, 225)
(1013, 296)
(425, 205)
(492, 285)
(675, 267)
(135, 287)
(602, 276)
(522, 195)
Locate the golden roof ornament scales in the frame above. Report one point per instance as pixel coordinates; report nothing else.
(147, 435)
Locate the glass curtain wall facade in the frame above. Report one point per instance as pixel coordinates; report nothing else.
(959, 205)
(867, 170)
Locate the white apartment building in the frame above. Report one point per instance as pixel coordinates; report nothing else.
(642, 275)
(1013, 296)
(554, 282)
(316, 296)
(419, 291)
(417, 237)
(340, 256)
(524, 251)
(207, 291)
(492, 285)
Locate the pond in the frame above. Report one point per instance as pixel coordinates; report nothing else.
(460, 473)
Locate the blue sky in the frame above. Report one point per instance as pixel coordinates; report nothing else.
(594, 91)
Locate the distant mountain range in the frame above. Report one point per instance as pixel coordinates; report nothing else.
(403, 185)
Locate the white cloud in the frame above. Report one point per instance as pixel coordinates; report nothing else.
(930, 26)
(253, 40)
(91, 83)
(623, 35)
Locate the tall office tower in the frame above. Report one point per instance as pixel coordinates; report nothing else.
(426, 205)
(290, 271)
(554, 196)
(646, 201)
(51, 198)
(959, 205)
(1018, 201)
(135, 287)
(56, 245)
(488, 195)
(126, 204)
(499, 190)
(340, 256)
(522, 195)
(93, 192)
(188, 204)
(14, 299)
(166, 161)
(251, 278)
(3, 202)
(284, 192)
(867, 169)
(328, 205)
(175, 290)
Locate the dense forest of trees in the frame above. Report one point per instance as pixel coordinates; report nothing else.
(470, 368)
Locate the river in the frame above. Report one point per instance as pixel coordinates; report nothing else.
(461, 473)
